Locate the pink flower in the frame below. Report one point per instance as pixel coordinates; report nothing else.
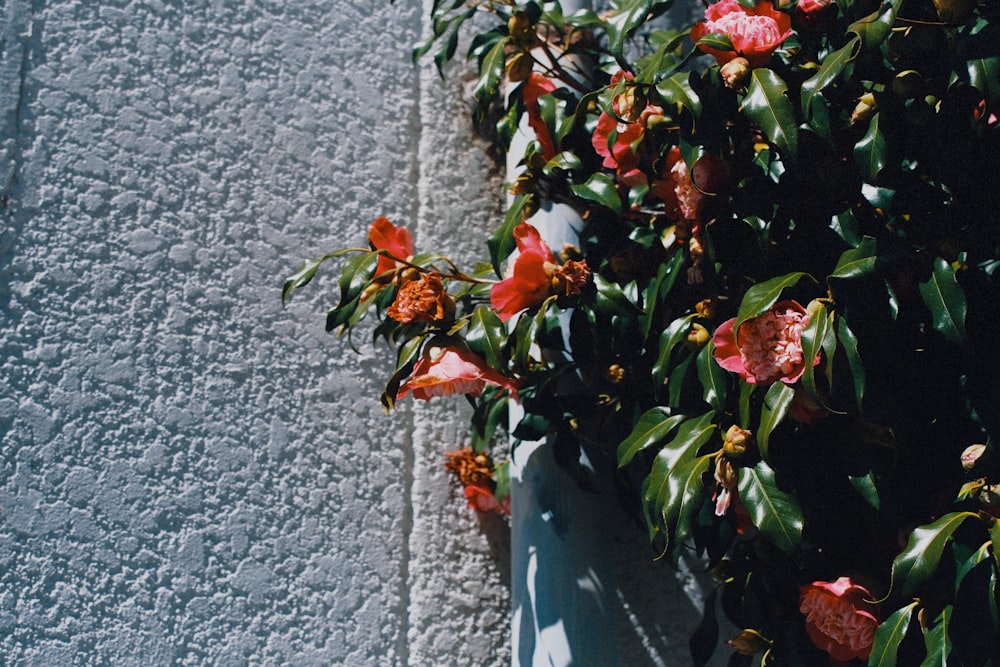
(754, 33)
(535, 275)
(769, 348)
(383, 235)
(483, 499)
(534, 87)
(447, 371)
(684, 190)
(812, 12)
(840, 617)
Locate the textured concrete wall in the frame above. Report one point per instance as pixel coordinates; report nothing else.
(189, 474)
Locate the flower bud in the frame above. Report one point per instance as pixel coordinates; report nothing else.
(615, 373)
(706, 308)
(521, 30)
(971, 455)
(737, 441)
(697, 337)
(519, 67)
(865, 108)
(736, 73)
(908, 84)
(749, 642)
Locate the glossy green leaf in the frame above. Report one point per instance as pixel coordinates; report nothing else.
(600, 189)
(501, 243)
(818, 336)
(759, 298)
(678, 93)
(774, 512)
(871, 153)
(652, 429)
(631, 15)
(677, 380)
(865, 486)
(655, 297)
(889, 635)
(683, 496)
(714, 379)
(303, 275)
(746, 392)
(491, 72)
(671, 337)
(486, 335)
(716, 40)
(857, 262)
(829, 72)
(977, 50)
(946, 300)
(849, 343)
(936, 640)
(875, 28)
(777, 403)
(919, 560)
(767, 106)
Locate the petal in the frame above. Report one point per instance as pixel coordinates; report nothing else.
(726, 353)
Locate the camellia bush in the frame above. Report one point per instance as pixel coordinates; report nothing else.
(778, 319)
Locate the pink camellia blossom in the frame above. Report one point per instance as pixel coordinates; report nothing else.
(754, 33)
(769, 348)
(534, 87)
(447, 371)
(686, 191)
(811, 13)
(397, 241)
(841, 618)
(535, 275)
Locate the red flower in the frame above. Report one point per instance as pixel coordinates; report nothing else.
(446, 371)
(770, 346)
(534, 87)
(620, 154)
(811, 13)
(535, 275)
(840, 617)
(684, 190)
(383, 235)
(483, 499)
(754, 33)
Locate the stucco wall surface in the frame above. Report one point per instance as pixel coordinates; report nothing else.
(189, 474)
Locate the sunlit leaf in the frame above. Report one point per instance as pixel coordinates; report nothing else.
(889, 635)
(774, 512)
(777, 403)
(829, 72)
(919, 560)
(858, 261)
(600, 189)
(871, 153)
(652, 429)
(946, 300)
(714, 379)
(759, 298)
(936, 640)
(768, 107)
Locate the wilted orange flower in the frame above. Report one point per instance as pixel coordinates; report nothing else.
(423, 300)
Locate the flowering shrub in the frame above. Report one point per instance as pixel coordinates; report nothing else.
(777, 316)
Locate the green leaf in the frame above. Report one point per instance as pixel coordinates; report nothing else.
(876, 27)
(714, 379)
(678, 93)
(865, 486)
(628, 18)
(669, 340)
(490, 73)
(849, 342)
(919, 560)
(767, 107)
(889, 635)
(872, 153)
(946, 300)
(600, 189)
(857, 262)
(774, 512)
(501, 243)
(817, 336)
(976, 49)
(829, 71)
(759, 298)
(659, 288)
(680, 500)
(716, 40)
(777, 403)
(302, 276)
(652, 429)
(486, 336)
(746, 391)
(937, 641)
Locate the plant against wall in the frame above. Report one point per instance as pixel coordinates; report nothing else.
(779, 316)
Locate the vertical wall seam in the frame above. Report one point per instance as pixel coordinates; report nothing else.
(20, 22)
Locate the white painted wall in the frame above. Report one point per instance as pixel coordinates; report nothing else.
(189, 474)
